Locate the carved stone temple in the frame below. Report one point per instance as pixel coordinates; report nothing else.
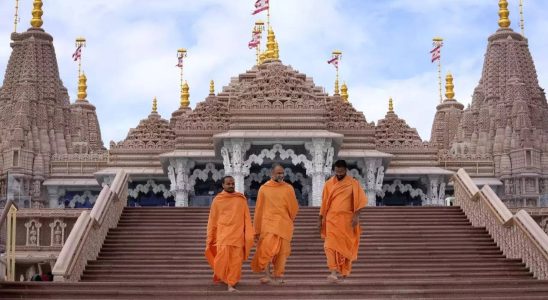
(52, 154)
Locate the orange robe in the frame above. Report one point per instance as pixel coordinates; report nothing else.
(275, 212)
(340, 200)
(229, 236)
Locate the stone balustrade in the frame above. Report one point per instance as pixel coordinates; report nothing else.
(518, 235)
(90, 230)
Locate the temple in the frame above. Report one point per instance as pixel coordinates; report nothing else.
(52, 155)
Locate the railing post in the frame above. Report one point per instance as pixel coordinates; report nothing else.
(10, 243)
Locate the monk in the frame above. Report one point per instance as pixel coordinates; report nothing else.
(339, 221)
(229, 234)
(275, 212)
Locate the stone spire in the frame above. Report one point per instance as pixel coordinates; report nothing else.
(34, 109)
(447, 118)
(86, 133)
(507, 118)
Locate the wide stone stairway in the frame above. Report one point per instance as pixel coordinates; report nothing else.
(406, 253)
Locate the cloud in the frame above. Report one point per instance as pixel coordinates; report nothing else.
(132, 44)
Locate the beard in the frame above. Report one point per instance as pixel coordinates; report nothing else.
(340, 177)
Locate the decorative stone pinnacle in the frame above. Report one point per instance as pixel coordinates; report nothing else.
(504, 21)
(449, 87)
(390, 105)
(36, 21)
(212, 87)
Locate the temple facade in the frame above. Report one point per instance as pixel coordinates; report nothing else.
(52, 155)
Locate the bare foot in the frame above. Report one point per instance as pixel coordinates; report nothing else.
(278, 281)
(264, 280)
(333, 278)
(232, 289)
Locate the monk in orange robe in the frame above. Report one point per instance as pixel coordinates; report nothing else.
(275, 212)
(229, 234)
(342, 200)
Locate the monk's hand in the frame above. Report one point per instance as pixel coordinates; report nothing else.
(320, 223)
(355, 220)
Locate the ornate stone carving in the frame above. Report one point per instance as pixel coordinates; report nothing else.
(153, 133)
(87, 196)
(33, 232)
(203, 175)
(150, 185)
(57, 232)
(393, 132)
(403, 188)
(178, 173)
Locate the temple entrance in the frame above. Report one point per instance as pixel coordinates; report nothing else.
(149, 193)
(402, 193)
(294, 175)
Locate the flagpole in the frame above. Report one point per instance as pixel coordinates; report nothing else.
(268, 16)
(337, 54)
(16, 19)
(80, 42)
(438, 42)
(522, 21)
(181, 54)
(259, 26)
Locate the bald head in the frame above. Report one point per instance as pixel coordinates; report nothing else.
(277, 173)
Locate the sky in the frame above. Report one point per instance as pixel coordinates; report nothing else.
(132, 45)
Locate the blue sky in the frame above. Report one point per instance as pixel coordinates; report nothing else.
(132, 44)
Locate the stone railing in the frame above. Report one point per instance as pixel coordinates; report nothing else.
(89, 232)
(518, 236)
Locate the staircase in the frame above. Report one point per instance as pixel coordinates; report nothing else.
(406, 253)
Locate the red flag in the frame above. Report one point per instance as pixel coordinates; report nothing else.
(255, 40)
(260, 5)
(436, 53)
(334, 61)
(77, 54)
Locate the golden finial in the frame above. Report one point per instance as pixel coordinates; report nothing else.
(154, 105)
(212, 87)
(82, 87)
(390, 105)
(504, 22)
(185, 95)
(37, 13)
(271, 51)
(449, 87)
(344, 92)
(337, 87)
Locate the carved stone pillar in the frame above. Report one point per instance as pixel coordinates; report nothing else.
(178, 173)
(234, 153)
(373, 174)
(436, 191)
(53, 196)
(319, 167)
